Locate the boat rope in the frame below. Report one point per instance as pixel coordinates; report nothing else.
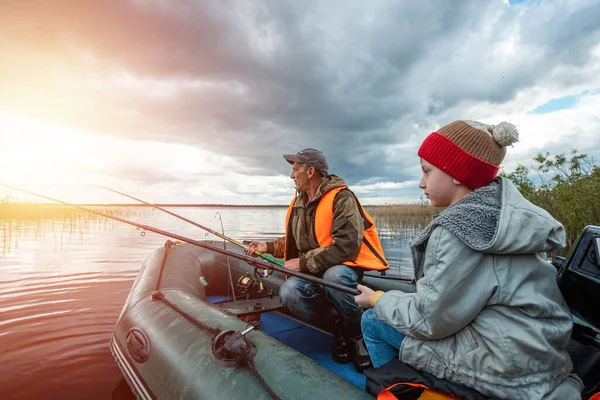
(248, 259)
(264, 256)
(168, 245)
(261, 380)
(161, 296)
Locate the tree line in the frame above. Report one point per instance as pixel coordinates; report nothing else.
(567, 186)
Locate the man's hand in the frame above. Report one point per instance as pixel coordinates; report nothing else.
(364, 298)
(293, 264)
(261, 247)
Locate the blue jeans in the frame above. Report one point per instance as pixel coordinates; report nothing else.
(383, 341)
(305, 300)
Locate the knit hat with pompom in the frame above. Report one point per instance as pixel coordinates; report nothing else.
(469, 151)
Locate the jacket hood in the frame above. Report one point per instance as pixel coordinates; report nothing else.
(498, 219)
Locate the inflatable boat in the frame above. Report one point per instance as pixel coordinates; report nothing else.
(202, 325)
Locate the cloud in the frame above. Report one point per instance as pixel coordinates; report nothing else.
(245, 81)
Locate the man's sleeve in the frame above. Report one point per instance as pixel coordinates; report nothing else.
(276, 247)
(347, 234)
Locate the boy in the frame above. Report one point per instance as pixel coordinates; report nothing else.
(487, 312)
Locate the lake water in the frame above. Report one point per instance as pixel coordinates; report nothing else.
(63, 284)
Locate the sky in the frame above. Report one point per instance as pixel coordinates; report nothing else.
(196, 101)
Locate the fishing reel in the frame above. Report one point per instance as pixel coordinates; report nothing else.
(262, 272)
(249, 284)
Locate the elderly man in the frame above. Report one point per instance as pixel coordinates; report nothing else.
(329, 235)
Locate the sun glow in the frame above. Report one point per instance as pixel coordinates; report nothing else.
(66, 164)
(33, 153)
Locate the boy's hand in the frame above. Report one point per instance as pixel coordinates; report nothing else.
(363, 299)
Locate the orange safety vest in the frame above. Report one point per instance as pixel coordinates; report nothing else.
(371, 253)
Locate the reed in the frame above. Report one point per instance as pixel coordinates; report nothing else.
(38, 211)
(395, 221)
(402, 221)
(40, 220)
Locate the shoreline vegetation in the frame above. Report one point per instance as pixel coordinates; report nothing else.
(41, 211)
(410, 205)
(565, 185)
(13, 210)
(394, 221)
(148, 205)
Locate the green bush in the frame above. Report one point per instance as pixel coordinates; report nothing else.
(567, 186)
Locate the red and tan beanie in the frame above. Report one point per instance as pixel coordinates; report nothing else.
(469, 151)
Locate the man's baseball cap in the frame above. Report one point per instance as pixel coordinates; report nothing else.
(310, 157)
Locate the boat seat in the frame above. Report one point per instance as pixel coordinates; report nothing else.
(586, 364)
(404, 377)
(243, 308)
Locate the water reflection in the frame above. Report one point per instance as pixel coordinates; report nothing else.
(64, 280)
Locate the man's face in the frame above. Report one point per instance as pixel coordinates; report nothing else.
(301, 174)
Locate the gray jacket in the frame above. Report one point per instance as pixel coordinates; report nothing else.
(487, 312)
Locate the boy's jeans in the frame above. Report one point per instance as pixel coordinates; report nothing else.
(382, 340)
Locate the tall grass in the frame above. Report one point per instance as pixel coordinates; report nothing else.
(38, 212)
(398, 221)
(40, 220)
(402, 221)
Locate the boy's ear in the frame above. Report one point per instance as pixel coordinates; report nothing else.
(456, 182)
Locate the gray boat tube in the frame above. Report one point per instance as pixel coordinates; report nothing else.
(162, 342)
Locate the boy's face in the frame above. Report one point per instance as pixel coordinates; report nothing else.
(440, 188)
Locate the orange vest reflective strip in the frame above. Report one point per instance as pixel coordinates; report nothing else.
(371, 254)
(428, 394)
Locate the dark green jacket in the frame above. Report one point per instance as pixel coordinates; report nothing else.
(347, 230)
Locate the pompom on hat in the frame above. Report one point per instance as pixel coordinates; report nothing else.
(469, 151)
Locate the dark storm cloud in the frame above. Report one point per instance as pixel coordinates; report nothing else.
(552, 34)
(257, 79)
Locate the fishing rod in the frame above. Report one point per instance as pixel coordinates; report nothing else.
(249, 260)
(265, 256)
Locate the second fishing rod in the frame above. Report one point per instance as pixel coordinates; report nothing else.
(264, 256)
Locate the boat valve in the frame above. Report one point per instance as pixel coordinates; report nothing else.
(231, 348)
(250, 328)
